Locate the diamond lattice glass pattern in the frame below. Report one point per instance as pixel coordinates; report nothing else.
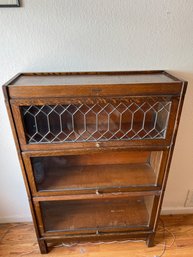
(99, 121)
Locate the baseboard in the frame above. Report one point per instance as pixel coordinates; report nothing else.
(177, 210)
(13, 219)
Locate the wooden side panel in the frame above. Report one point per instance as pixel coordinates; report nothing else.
(14, 131)
(168, 163)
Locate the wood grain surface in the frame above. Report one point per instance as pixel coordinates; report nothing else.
(18, 239)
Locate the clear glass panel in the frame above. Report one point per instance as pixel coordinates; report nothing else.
(97, 215)
(101, 121)
(97, 171)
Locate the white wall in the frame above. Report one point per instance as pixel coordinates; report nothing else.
(75, 35)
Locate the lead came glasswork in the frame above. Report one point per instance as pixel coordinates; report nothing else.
(97, 121)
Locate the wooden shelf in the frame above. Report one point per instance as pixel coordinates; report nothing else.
(98, 176)
(96, 215)
(86, 78)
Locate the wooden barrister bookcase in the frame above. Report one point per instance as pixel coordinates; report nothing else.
(95, 150)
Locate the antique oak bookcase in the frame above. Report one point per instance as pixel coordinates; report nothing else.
(95, 150)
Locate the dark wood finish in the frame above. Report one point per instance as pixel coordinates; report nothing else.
(43, 247)
(17, 104)
(95, 196)
(93, 83)
(95, 216)
(91, 78)
(98, 176)
(107, 188)
(110, 171)
(168, 163)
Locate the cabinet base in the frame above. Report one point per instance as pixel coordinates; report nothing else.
(43, 246)
(148, 238)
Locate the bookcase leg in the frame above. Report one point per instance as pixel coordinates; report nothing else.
(150, 240)
(43, 246)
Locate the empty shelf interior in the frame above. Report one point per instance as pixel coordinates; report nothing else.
(97, 215)
(96, 171)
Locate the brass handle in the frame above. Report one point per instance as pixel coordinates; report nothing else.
(97, 145)
(97, 192)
